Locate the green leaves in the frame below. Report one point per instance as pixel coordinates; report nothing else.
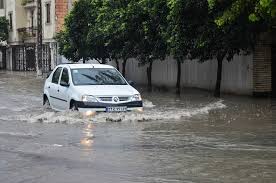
(4, 30)
(256, 10)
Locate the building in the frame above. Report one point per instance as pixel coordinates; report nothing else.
(20, 52)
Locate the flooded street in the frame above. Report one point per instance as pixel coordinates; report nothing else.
(192, 138)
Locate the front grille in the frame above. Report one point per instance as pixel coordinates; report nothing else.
(106, 99)
(109, 99)
(122, 99)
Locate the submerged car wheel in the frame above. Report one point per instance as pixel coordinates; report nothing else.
(74, 106)
(46, 103)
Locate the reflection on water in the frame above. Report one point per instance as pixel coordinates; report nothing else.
(88, 136)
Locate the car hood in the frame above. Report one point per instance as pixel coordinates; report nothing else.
(106, 90)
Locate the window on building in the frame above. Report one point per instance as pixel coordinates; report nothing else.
(48, 13)
(10, 20)
(1, 4)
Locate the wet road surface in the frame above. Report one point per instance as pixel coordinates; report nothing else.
(192, 138)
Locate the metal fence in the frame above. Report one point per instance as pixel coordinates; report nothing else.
(24, 57)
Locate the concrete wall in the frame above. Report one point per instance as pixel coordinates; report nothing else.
(2, 11)
(10, 8)
(237, 75)
(49, 28)
(20, 15)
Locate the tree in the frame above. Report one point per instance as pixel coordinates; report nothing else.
(80, 39)
(115, 21)
(177, 40)
(4, 30)
(202, 39)
(255, 10)
(151, 26)
(73, 38)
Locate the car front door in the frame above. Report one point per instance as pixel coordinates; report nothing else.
(63, 89)
(53, 88)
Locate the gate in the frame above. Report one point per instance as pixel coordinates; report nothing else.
(2, 58)
(24, 58)
(46, 58)
(30, 58)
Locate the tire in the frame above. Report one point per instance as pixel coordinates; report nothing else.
(46, 103)
(74, 107)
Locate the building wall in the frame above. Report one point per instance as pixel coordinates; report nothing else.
(48, 28)
(20, 15)
(2, 12)
(237, 76)
(10, 8)
(61, 9)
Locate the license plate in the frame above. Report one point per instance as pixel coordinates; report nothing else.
(116, 109)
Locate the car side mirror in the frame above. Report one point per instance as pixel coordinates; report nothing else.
(131, 83)
(63, 83)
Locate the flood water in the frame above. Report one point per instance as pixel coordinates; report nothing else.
(192, 138)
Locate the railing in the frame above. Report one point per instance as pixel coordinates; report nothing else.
(27, 32)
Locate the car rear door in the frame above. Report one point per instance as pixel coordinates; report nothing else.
(63, 90)
(53, 88)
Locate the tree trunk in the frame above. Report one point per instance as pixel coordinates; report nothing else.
(149, 72)
(178, 77)
(83, 61)
(117, 64)
(219, 73)
(124, 67)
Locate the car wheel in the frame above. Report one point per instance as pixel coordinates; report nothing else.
(74, 107)
(47, 103)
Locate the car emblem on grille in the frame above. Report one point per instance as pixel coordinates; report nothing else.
(116, 99)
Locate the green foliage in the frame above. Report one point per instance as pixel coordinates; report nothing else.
(24, 2)
(4, 30)
(72, 39)
(151, 29)
(255, 10)
(103, 29)
(116, 30)
(75, 40)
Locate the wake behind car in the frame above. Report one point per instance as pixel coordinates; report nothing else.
(90, 87)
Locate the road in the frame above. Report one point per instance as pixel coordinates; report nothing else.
(192, 138)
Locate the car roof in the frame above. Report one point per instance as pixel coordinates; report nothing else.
(83, 66)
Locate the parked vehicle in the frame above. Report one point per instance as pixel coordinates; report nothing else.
(90, 87)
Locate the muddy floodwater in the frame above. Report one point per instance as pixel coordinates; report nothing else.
(192, 138)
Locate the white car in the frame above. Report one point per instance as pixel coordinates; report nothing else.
(90, 87)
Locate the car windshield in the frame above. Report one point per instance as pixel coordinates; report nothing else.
(97, 76)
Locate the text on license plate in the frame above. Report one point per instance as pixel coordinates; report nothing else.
(116, 109)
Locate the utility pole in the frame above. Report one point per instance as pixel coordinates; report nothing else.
(39, 40)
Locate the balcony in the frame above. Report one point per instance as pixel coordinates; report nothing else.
(28, 3)
(26, 33)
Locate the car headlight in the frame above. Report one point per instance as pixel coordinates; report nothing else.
(88, 98)
(136, 97)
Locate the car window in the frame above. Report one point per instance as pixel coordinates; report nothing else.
(97, 76)
(56, 75)
(64, 76)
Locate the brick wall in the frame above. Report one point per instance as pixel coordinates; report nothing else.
(262, 75)
(61, 12)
